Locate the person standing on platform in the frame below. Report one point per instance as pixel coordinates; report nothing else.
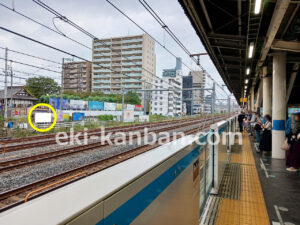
(252, 123)
(241, 117)
(288, 125)
(265, 144)
(293, 154)
(257, 128)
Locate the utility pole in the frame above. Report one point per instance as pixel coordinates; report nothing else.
(5, 86)
(62, 87)
(145, 102)
(11, 97)
(228, 105)
(213, 101)
(192, 102)
(123, 104)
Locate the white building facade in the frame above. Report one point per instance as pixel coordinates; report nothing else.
(168, 103)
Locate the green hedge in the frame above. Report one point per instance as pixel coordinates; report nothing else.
(105, 117)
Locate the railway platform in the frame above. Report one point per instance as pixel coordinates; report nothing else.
(180, 182)
(255, 190)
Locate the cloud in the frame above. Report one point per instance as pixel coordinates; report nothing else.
(102, 20)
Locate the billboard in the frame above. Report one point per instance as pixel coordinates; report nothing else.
(78, 116)
(128, 115)
(42, 117)
(65, 103)
(78, 105)
(119, 107)
(130, 106)
(59, 117)
(109, 106)
(66, 117)
(95, 105)
(144, 118)
(293, 110)
(55, 103)
(138, 107)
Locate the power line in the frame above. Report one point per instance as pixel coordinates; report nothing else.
(67, 53)
(23, 78)
(65, 19)
(141, 28)
(26, 54)
(61, 34)
(164, 26)
(173, 36)
(32, 74)
(43, 25)
(30, 65)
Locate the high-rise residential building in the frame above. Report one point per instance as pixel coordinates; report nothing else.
(123, 62)
(77, 76)
(198, 95)
(168, 103)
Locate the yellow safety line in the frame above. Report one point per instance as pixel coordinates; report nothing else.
(251, 208)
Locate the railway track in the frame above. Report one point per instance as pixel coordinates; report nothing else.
(47, 136)
(44, 140)
(30, 160)
(18, 195)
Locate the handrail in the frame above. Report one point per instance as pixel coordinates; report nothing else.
(53, 184)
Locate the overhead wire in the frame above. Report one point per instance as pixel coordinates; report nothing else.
(29, 74)
(65, 19)
(60, 33)
(26, 54)
(30, 65)
(43, 25)
(65, 52)
(161, 22)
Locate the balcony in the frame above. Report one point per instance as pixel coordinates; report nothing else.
(101, 81)
(132, 69)
(132, 85)
(107, 59)
(137, 40)
(102, 70)
(116, 59)
(101, 85)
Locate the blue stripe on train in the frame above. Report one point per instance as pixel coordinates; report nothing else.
(127, 212)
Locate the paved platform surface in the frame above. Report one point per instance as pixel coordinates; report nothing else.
(281, 189)
(248, 207)
(240, 199)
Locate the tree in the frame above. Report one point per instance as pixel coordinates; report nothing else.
(39, 86)
(132, 98)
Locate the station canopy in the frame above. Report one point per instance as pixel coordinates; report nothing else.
(229, 29)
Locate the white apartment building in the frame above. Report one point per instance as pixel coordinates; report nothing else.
(123, 62)
(168, 103)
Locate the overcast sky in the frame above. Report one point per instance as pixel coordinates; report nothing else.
(102, 20)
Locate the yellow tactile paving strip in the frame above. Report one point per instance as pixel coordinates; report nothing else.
(250, 209)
